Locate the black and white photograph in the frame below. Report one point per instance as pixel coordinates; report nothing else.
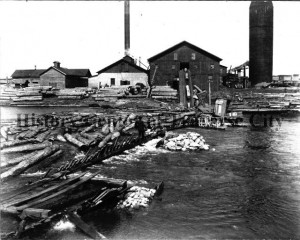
(149, 120)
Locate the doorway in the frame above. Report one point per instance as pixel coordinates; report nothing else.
(184, 65)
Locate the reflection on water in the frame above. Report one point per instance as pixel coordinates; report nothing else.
(248, 188)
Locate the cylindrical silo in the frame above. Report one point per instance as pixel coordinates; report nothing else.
(127, 26)
(261, 42)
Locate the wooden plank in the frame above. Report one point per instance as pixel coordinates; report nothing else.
(58, 193)
(31, 197)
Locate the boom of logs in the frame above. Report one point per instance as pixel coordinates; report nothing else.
(99, 135)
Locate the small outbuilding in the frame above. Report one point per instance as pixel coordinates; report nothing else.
(59, 77)
(203, 66)
(123, 72)
(28, 77)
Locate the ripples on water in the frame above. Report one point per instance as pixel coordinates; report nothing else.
(248, 188)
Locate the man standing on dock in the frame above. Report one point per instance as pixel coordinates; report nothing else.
(140, 126)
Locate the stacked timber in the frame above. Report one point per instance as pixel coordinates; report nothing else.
(28, 95)
(7, 94)
(70, 94)
(106, 94)
(164, 93)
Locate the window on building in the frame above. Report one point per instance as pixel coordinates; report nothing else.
(193, 56)
(125, 82)
(212, 66)
(173, 67)
(175, 56)
(221, 70)
(112, 81)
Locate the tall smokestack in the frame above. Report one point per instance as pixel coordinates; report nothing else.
(261, 42)
(127, 27)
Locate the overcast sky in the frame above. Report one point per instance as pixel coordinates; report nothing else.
(91, 34)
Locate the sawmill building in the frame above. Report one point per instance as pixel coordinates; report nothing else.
(122, 72)
(165, 66)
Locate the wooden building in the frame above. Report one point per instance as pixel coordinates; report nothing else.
(202, 65)
(123, 72)
(59, 77)
(28, 77)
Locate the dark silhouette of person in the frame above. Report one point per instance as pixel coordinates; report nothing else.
(140, 126)
(26, 84)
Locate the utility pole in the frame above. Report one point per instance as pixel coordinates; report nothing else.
(209, 91)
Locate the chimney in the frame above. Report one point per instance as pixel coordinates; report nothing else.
(139, 61)
(56, 64)
(34, 67)
(127, 27)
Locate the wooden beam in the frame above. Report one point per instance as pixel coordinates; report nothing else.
(31, 197)
(65, 190)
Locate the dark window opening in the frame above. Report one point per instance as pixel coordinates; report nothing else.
(184, 65)
(112, 81)
(125, 82)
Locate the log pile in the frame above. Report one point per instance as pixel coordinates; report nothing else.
(164, 93)
(7, 94)
(107, 94)
(70, 94)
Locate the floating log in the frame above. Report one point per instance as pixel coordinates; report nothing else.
(60, 138)
(26, 148)
(83, 140)
(23, 166)
(89, 129)
(89, 137)
(46, 162)
(73, 140)
(22, 134)
(42, 136)
(105, 140)
(14, 161)
(130, 126)
(32, 133)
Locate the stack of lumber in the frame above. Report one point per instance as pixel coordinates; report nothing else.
(164, 93)
(106, 94)
(28, 94)
(70, 94)
(7, 94)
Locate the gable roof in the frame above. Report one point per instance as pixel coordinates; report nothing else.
(29, 73)
(71, 72)
(126, 59)
(181, 44)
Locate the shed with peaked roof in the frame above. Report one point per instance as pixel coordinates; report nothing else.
(59, 77)
(165, 66)
(26, 77)
(122, 72)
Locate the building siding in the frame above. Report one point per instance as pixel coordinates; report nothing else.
(199, 65)
(105, 78)
(53, 78)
